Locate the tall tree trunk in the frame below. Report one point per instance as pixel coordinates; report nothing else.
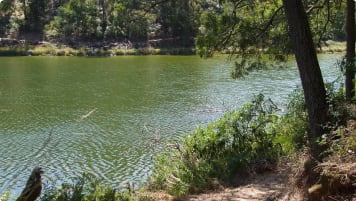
(350, 50)
(102, 6)
(309, 70)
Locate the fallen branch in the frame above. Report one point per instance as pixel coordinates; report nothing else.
(87, 115)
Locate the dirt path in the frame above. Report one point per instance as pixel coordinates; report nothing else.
(268, 187)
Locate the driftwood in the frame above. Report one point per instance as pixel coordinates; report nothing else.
(33, 186)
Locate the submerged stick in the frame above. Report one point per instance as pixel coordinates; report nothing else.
(45, 143)
(87, 115)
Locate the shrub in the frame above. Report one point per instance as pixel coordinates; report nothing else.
(293, 125)
(87, 188)
(234, 144)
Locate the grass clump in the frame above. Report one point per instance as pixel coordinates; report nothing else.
(240, 142)
(89, 188)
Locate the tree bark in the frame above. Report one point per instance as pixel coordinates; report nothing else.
(309, 71)
(350, 50)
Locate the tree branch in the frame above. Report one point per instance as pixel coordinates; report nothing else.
(270, 22)
(228, 34)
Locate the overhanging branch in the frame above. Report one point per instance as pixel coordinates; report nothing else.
(270, 22)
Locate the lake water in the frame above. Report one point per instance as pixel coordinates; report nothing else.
(101, 115)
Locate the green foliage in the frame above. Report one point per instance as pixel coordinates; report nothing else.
(5, 14)
(90, 19)
(338, 107)
(14, 24)
(243, 67)
(337, 29)
(5, 196)
(177, 19)
(235, 26)
(293, 126)
(343, 147)
(246, 29)
(34, 15)
(209, 33)
(222, 150)
(87, 188)
(76, 19)
(340, 142)
(243, 27)
(327, 20)
(250, 28)
(5, 5)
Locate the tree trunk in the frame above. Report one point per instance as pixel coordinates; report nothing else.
(350, 50)
(309, 71)
(102, 6)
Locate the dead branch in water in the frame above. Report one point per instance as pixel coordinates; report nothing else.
(45, 143)
(87, 115)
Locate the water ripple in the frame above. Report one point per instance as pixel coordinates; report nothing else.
(39, 114)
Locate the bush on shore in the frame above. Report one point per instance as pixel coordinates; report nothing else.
(90, 188)
(240, 142)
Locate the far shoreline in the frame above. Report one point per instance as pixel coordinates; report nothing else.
(17, 47)
(10, 48)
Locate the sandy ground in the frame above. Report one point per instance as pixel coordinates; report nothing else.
(263, 187)
(268, 187)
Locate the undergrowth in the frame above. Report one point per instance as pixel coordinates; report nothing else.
(89, 188)
(246, 141)
(240, 142)
(294, 126)
(331, 175)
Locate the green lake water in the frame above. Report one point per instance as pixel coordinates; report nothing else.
(71, 115)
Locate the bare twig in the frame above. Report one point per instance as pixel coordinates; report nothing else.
(155, 139)
(45, 143)
(87, 115)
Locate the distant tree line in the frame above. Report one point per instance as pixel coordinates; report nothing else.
(127, 20)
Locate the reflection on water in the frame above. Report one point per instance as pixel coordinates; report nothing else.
(75, 115)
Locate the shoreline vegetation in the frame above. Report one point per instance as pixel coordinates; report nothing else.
(251, 151)
(223, 157)
(314, 141)
(13, 47)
